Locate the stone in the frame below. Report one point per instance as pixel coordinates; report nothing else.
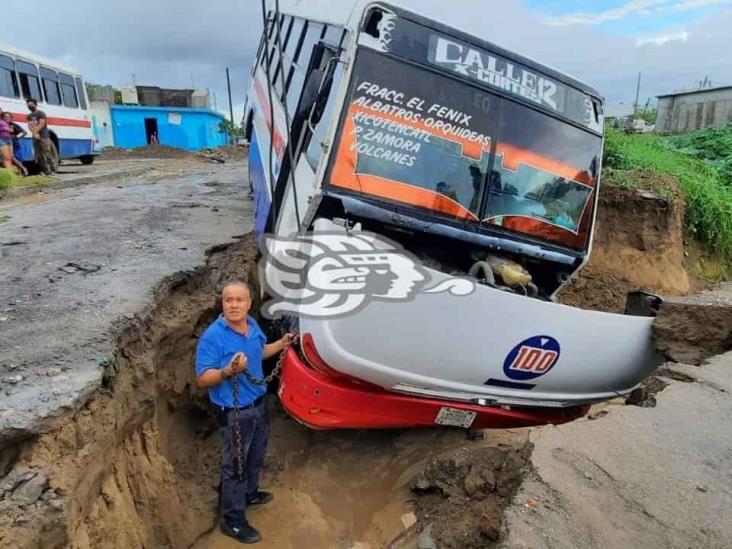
(30, 491)
(14, 478)
(13, 380)
(408, 520)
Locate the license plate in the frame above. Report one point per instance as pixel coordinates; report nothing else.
(455, 417)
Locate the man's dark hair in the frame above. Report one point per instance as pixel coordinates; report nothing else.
(31, 100)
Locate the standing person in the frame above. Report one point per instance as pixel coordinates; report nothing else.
(6, 145)
(18, 134)
(38, 124)
(232, 344)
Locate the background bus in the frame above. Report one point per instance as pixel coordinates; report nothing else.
(61, 94)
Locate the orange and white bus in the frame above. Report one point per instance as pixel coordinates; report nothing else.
(60, 93)
(370, 122)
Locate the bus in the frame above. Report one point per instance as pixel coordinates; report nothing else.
(61, 94)
(371, 118)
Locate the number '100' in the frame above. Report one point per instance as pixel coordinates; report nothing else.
(531, 359)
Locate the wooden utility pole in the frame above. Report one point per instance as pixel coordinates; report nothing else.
(637, 93)
(231, 105)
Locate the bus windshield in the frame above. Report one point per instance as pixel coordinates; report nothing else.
(420, 137)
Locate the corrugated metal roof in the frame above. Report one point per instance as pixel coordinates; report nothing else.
(688, 92)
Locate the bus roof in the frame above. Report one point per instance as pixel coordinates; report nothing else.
(345, 14)
(38, 59)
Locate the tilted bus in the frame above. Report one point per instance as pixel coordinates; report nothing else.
(479, 162)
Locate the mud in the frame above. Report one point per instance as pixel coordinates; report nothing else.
(638, 244)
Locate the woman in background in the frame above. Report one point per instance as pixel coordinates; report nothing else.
(6, 145)
(18, 134)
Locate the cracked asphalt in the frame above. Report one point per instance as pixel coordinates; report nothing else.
(75, 262)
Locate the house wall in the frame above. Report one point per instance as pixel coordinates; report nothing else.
(693, 111)
(101, 119)
(190, 129)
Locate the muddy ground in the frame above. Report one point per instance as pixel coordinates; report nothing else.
(105, 442)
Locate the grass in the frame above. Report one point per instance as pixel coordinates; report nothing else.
(707, 191)
(9, 180)
(4, 218)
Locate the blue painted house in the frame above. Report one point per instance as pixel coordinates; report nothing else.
(181, 127)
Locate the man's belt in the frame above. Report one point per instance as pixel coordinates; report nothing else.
(250, 405)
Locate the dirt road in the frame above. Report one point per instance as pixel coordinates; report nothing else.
(73, 262)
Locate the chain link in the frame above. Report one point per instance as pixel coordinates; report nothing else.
(235, 395)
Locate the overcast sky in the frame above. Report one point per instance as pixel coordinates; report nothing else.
(172, 43)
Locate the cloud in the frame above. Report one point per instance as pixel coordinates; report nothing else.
(638, 8)
(164, 42)
(663, 38)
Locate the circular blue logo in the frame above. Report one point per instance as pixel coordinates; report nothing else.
(531, 358)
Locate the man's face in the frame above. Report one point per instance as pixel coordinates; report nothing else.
(31, 106)
(236, 301)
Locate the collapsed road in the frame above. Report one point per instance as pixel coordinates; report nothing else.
(76, 262)
(104, 441)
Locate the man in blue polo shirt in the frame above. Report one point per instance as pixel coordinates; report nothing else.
(231, 344)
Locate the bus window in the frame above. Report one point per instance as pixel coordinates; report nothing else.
(543, 176)
(315, 150)
(80, 92)
(312, 36)
(414, 136)
(8, 80)
(29, 81)
(50, 86)
(68, 92)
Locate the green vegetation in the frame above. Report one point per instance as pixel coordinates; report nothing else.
(9, 180)
(697, 160)
(4, 218)
(232, 130)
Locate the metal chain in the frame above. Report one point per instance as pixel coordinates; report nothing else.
(235, 395)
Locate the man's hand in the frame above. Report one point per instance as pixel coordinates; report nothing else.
(278, 346)
(238, 363)
(36, 135)
(288, 339)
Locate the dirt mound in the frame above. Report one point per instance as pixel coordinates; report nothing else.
(146, 152)
(638, 244)
(462, 494)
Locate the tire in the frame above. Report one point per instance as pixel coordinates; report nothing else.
(87, 160)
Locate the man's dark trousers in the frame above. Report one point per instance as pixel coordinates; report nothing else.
(254, 424)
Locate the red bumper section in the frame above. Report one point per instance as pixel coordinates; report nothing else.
(326, 399)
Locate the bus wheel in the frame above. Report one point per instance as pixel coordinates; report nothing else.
(87, 160)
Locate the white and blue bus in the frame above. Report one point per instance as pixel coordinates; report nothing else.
(61, 94)
(370, 116)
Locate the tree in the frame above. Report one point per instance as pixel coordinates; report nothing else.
(234, 131)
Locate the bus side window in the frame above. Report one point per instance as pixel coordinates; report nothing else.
(29, 81)
(68, 91)
(8, 80)
(50, 86)
(333, 71)
(80, 92)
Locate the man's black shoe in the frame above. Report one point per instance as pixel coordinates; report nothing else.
(259, 497)
(244, 533)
